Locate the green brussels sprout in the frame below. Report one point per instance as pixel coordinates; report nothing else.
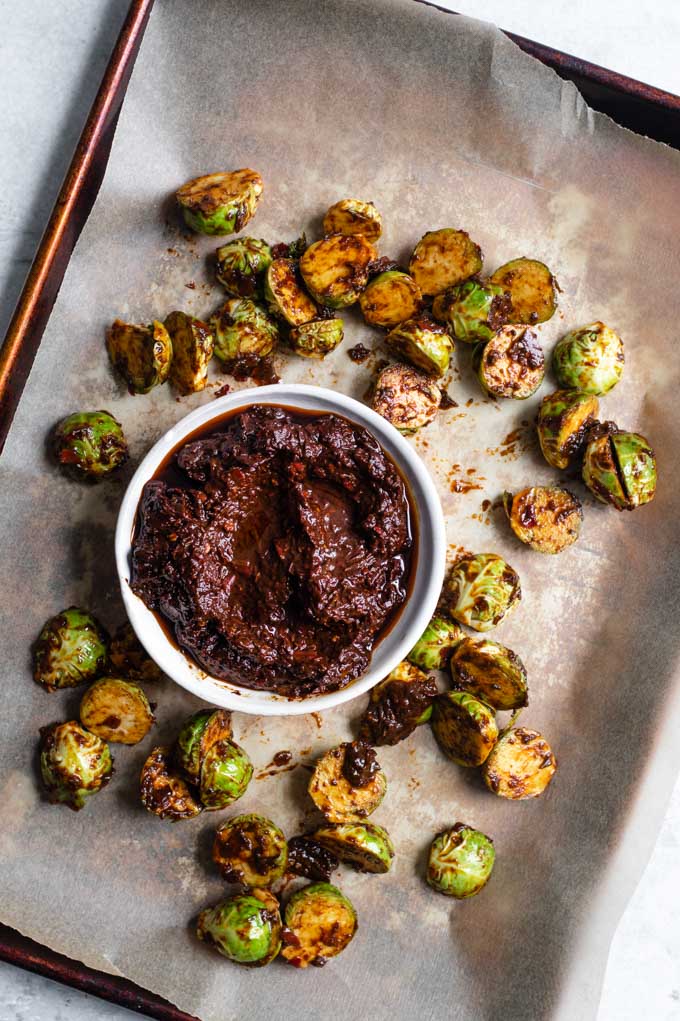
(490, 672)
(284, 295)
(246, 929)
(564, 419)
(397, 705)
(443, 258)
(511, 364)
(390, 299)
(406, 398)
(128, 656)
(243, 328)
(334, 795)
(364, 845)
(532, 289)
(433, 649)
(589, 359)
(473, 311)
(90, 444)
(164, 794)
(482, 590)
(460, 862)
(251, 850)
(317, 338)
(320, 923)
(521, 765)
(241, 265)
(423, 343)
(547, 518)
(221, 203)
(140, 354)
(226, 772)
(74, 764)
(116, 710)
(335, 269)
(350, 216)
(192, 348)
(71, 650)
(464, 727)
(197, 736)
(619, 468)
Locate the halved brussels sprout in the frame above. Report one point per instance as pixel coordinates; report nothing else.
(250, 849)
(473, 311)
(465, 728)
(460, 862)
(74, 764)
(619, 468)
(532, 290)
(335, 269)
(490, 672)
(547, 518)
(364, 845)
(350, 216)
(511, 364)
(116, 710)
(71, 650)
(443, 258)
(284, 294)
(317, 338)
(335, 797)
(245, 929)
(482, 590)
(521, 765)
(128, 656)
(220, 203)
(197, 736)
(398, 705)
(589, 359)
(90, 444)
(226, 771)
(433, 649)
(241, 265)
(243, 328)
(406, 398)
(164, 794)
(390, 298)
(423, 342)
(320, 923)
(140, 354)
(564, 419)
(192, 348)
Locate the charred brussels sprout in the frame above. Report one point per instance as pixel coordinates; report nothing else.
(589, 359)
(197, 736)
(350, 216)
(481, 590)
(241, 265)
(226, 772)
(406, 398)
(619, 468)
(335, 796)
(220, 203)
(284, 294)
(116, 710)
(473, 311)
(460, 862)
(335, 269)
(320, 923)
(74, 764)
(164, 794)
(521, 765)
(71, 650)
(443, 258)
(511, 364)
(364, 845)
(532, 289)
(140, 354)
(192, 349)
(243, 328)
(423, 343)
(90, 444)
(317, 338)
(398, 705)
(547, 518)
(245, 929)
(390, 298)
(433, 649)
(464, 727)
(564, 419)
(128, 656)
(251, 850)
(490, 672)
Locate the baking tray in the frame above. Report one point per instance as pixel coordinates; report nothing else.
(639, 107)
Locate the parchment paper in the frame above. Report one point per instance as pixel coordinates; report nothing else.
(440, 121)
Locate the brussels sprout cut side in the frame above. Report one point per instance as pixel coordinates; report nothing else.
(335, 796)
(90, 444)
(241, 265)
(482, 590)
(564, 419)
(317, 338)
(335, 269)
(443, 258)
(71, 650)
(116, 710)
(423, 343)
(464, 727)
(140, 354)
(521, 765)
(350, 216)
(74, 764)
(251, 850)
(589, 359)
(285, 296)
(320, 923)
(511, 364)
(532, 289)
(364, 845)
(164, 794)
(390, 298)
(547, 518)
(245, 929)
(433, 649)
(221, 203)
(460, 862)
(243, 328)
(490, 672)
(619, 468)
(406, 398)
(192, 348)
(473, 311)
(398, 705)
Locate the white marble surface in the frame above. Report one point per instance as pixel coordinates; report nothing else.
(52, 56)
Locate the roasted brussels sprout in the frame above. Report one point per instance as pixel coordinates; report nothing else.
(362, 844)
(589, 359)
(128, 656)
(335, 796)
(390, 298)
(192, 348)
(619, 468)
(74, 764)
(220, 203)
(90, 444)
(547, 518)
(564, 419)
(243, 328)
(433, 649)
(251, 850)
(246, 928)
(320, 922)
(350, 216)
(490, 672)
(521, 765)
(443, 258)
(317, 338)
(423, 342)
(284, 294)
(116, 710)
(460, 862)
(226, 772)
(335, 269)
(473, 311)
(140, 354)
(241, 265)
(511, 364)
(71, 650)
(197, 736)
(398, 705)
(482, 590)
(532, 289)
(465, 728)
(406, 398)
(164, 794)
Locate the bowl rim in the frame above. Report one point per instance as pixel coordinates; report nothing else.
(228, 695)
